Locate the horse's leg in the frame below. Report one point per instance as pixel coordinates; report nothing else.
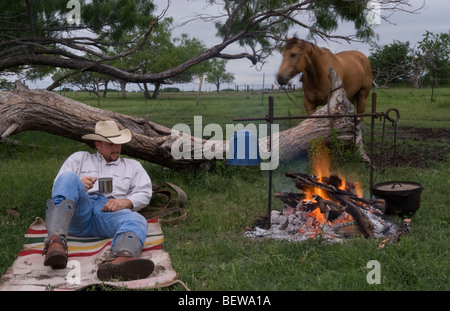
(361, 101)
(354, 102)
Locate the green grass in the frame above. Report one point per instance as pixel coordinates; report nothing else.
(415, 106)
(209, 250)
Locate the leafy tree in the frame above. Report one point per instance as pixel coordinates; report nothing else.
(166, 53)
(427, 63)
(435, 54)
(391, 63)
(217, 73)
(5, 85)
(160, 52)
(264, 25)
(86, 81)
(36, 33)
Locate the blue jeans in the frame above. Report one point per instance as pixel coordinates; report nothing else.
(88, 219)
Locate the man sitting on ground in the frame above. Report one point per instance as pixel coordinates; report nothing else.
(79, 209)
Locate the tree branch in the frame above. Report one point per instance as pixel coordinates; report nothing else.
(61, 50)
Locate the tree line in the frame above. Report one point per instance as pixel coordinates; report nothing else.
(424, 64)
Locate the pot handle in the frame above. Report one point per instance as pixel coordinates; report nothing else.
(396, 183)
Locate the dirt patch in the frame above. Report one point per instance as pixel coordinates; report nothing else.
(417, 147)
(425, 134)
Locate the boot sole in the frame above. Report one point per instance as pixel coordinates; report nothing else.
(56, 261)
(127, 271)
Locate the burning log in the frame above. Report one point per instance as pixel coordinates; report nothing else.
(289, 198)
(304, 181)
(364, 223)
(331, 209)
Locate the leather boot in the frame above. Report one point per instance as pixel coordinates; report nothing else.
(55, 252)
(57, 219)
(125, 269)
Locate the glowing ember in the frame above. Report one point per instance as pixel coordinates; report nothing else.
(318, 215)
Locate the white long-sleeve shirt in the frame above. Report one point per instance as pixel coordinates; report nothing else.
(130, 180)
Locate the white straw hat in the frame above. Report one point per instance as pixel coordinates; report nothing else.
(108, 131)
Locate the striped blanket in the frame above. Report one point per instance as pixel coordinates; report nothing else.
(29, 273)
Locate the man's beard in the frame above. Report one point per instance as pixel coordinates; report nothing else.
(113, 156)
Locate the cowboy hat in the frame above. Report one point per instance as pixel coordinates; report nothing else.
(108, 131)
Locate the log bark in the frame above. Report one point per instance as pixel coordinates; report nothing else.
(365, 226)
(40, 110)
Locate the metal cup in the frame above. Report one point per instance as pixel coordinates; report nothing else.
(105, 185)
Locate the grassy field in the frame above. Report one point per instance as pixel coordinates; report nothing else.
(209, 250)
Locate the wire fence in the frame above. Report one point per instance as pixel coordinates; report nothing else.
(236, 88)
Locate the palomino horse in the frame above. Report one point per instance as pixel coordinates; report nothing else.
(353, 68)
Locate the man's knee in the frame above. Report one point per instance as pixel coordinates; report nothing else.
(67, 186)
(136, 223)
(141, 224)
(67, 177)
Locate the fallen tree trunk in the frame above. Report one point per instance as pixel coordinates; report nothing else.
(40, 110)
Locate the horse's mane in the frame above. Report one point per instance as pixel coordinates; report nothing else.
(294, 41)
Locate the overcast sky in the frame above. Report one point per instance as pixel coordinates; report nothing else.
(403, 26)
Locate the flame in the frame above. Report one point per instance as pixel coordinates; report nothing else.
(318, 215)
(343, 185)
(308, 196)
(358, 190)
(321, 164)
(321, 168)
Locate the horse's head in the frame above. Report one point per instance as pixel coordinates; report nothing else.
(294, 60)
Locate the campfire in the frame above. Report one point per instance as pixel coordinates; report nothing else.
(328, 207)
